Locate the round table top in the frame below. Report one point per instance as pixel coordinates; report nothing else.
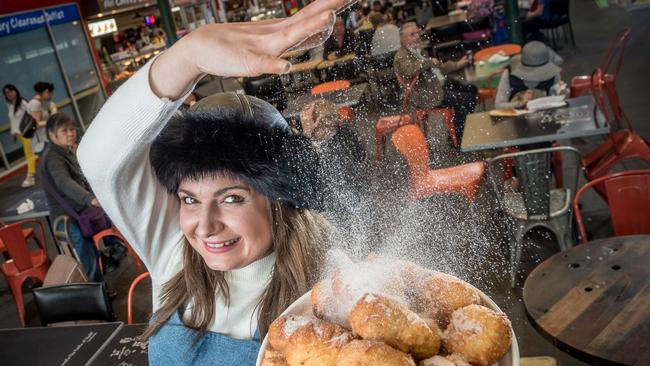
(593, 300)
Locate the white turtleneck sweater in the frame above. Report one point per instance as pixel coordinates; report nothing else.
(114, 156)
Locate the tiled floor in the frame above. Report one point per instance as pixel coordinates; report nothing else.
(444, 233)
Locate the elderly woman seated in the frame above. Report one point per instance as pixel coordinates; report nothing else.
(533, 74)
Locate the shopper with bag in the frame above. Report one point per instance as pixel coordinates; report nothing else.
(40, 107)
(17, 107)
(68, 191)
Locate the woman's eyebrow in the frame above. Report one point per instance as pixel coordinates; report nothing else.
(217, 193)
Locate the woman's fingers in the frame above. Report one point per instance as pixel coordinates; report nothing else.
(257, 64)
(297, 33)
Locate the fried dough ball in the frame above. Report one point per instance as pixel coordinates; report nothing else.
(451, 360)
(441, 294)
(307, 341)
(333, 298)
(372, 353)
(379, 318)
(273, 358)
(480, 335)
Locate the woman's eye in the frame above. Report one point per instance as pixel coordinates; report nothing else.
(233, 199)
(188, 200)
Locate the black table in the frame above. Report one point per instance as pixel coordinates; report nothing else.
(113, 344)
(124, 348)
(73, 345)
(9, 205)
(575, 120)
(342, 98)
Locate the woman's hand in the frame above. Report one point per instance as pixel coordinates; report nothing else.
(240, 49)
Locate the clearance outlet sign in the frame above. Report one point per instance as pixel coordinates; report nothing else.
(35, 19)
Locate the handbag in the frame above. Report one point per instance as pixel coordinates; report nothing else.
(27, 125)
(91, 219)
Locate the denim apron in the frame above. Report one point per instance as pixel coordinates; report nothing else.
(174, 344)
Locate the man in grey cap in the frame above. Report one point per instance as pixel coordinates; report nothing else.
(533, 74)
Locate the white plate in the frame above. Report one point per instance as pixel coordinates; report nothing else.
(302, 306)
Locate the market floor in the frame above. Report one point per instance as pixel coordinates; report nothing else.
(444, 233)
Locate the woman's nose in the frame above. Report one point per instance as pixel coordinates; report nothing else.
(209, 222)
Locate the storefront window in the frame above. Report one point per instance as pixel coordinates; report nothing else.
(27, 55)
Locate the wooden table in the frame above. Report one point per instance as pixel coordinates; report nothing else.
(593, 300)
(329, 63)
(445, 20)
(483, 132)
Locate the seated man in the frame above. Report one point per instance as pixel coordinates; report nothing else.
(533, 74)
(433, 89)
(386, 36)
(341, 42)
(344, 164)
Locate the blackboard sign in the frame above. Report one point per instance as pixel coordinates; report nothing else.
(64, 346)
(124, 349)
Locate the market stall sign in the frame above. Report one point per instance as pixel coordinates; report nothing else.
(108, 5)
(102, 27)
(23, 22)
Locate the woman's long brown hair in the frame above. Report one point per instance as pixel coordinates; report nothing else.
(299, 238)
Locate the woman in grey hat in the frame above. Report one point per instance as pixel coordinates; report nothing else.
(533, 74)
(221, 203)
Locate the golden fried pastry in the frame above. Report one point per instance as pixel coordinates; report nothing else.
(307, 341)
(480, 335)
(273, 358)
(372, 353)
(451, 360)
(441, 294)
(333, 298)
(379, 318)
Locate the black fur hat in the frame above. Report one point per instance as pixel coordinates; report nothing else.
(243, 136)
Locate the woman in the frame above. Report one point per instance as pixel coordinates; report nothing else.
(533, 74)
(44, 93)
(341, 43)
(218, 206)
(17, 107)
(60, 166)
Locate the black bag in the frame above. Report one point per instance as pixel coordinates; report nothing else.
(27, 125)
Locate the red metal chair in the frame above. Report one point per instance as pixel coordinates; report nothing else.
(330, 86)
(346, 115)
(421, 115)
(24, 263)
(389, 124)
(129, 303)
(581, 84)
(628, 198)
(112, 231)
(426, 182)
(620, 145)
(28, 233)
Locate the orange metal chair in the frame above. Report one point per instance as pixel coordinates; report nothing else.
(628, 198)
(622, 144)
(24, 263)
(330, 86)
(508, 49)
(112, 231)
(581, 84)
(426, 182)
(129, 303)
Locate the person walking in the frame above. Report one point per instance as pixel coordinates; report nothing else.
(17, 107)
(44, 93)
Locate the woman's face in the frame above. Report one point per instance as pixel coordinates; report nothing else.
(47, 95)
(225, 221)
(65, 136)
(10, 94)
